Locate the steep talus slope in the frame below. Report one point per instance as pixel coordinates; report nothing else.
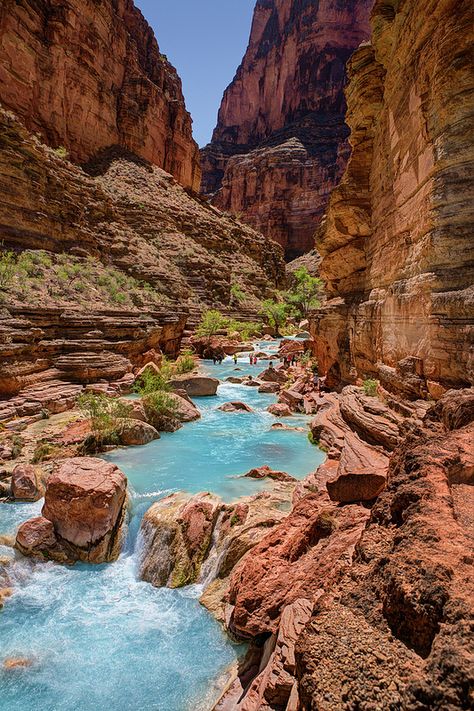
(397, 251)
(126, 234)
(280, 144)
(89, 75)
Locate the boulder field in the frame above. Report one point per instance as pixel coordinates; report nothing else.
(351, 602)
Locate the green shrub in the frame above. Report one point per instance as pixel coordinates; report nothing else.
(185, 364)
(151, 381)
(105, 414)
(159, 407)
(8, 263)
(246, 329)
(212, 322)
(275, 312)
(43, 451)
(237, 293)
(370, 387)
(61, 152)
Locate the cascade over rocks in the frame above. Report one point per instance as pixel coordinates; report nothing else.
(280, 144)
(82, 516)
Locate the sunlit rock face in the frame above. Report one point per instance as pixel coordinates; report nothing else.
(280, 145)
(396, 245)
(88, 75)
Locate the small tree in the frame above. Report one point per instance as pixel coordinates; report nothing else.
(304, 293)
(8, 264)
(237, 294)
(276, 313)
(212, 322)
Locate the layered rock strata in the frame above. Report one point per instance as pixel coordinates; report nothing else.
(280, 144)
(87, 76)
(396, 247)
(83, 514)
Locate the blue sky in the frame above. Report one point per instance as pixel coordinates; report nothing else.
(205, 40)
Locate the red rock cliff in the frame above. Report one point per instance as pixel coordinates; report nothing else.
(87, 75)
(280, 143)
(396, 246)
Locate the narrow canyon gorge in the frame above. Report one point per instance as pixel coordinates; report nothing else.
(237, 384)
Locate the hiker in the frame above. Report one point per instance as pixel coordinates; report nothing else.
(235, 358)
(270, 367)
(316, 382)
(214, 359)
(293, 359)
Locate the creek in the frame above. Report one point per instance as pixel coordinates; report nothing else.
(98, 637)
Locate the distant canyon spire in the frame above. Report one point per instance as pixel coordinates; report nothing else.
(280, 144)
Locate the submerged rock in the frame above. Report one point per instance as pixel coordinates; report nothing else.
(235, 406)
(83, 514)
(266, 473)
(279, 409)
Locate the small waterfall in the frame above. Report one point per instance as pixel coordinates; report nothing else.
(211, 565)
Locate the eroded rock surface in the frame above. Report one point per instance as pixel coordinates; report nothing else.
(62, 68)
(396, 248)
(280, 144)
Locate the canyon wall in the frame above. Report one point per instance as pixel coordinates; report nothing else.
(88, 75)
(280, 145)
(396, 246)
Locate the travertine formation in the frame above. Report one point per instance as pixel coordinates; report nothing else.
(396, 246)
(280, 144)
(88, 75)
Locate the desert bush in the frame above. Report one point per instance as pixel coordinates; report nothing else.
(104, 414)
(212, 322)
(185, 363)
(161, 410)
(370, 387)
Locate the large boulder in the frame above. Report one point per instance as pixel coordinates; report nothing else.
(196, 385)
(273, 375)
(135, 432)
(269, 388)
(83, 514)
(186, 410)
(25, 484)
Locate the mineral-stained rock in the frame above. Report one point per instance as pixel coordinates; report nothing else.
(196, 385)
(273, 375)
(25, 484)
(269, 388)
(235, 406)
(400, 617)
(266, 472)
(280, 143)
(396, 248)
(83, 513)
(176, 535)
(62, 68)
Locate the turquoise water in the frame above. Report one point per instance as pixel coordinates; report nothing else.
(99, 638)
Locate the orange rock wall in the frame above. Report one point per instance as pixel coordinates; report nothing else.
(396, 245)
(87, 75)
(280, 144)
